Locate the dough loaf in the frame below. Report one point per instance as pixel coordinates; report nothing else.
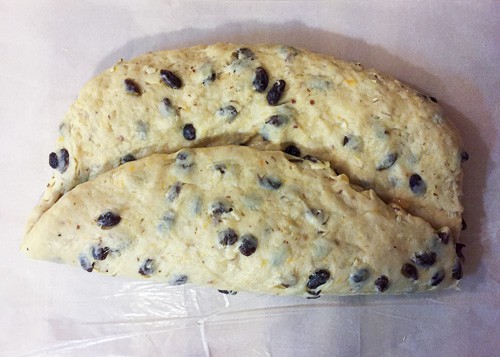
(379, 132)
(236, 218)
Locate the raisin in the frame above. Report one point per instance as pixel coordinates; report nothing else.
(425, 259)
(184, 160)
(147, 267)
(131, 87)
(417, 184)
(248, 245)
(209, 79)
(59, 160)
(388, 161)
(100, 253)
(85, 264)
(179, 280)
(437, 278)
(261, 80)
(227, 237)
(292, 150)
(174, 191)
(245, 53)
(464, 156)
(345, 141)
(53, 161)
(127, 158)
(217, 209)
(228, 292)
(228, 112)
(409, 271)
(270, 183)
(318, 278)
(108, 219)
(189, 132)
(276, 91)
(277, 120)
(359, 276)
(456, 271)
(382, 283)
(221, 168)
(311, 158)
(444, 237)
(170, 79)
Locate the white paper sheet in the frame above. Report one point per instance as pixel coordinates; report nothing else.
(49, 49)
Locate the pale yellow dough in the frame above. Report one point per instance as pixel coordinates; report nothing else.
(304, 217)
(325, 101)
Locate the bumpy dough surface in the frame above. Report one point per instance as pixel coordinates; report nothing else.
(358, 120)
(303, 217)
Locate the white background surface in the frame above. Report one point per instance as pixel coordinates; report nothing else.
(49, 49)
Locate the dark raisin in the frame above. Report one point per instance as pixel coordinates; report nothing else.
(345, 141)
(433, 99)
(311, 158)
(189, 132)
(261, 80)
(277, 120)
(147, 267)
(127, 158)
(388, 161)
(437, 278)
(85, 264)
(425, 259)
(444, 237)
(409, 271)
(464, 156)
(108, 219)
(359, 276)
(318, 278)
(292, 150)
(131, 87)
(179, 280)
(315, 294)
(458, 249)
(64, 159)
(100, 253)
(217, 209)
(270, 183)
(228, 292)
(248, 245)
(53, 161)
(170, 79)
(228, 113)
(221, 168)
(382, 283)
(184, 160)
(464, 225)
(456, 271)
(276, 91)
(244, 52)
(227, 237)
(209, 79)
(417, 184)
(174, 191)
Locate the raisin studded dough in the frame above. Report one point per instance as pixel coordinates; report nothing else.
(369, 126)
(241, 219)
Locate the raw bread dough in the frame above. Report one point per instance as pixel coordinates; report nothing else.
(237, 218)
(369, 126)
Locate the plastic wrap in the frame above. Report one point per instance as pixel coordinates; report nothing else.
(447, 49)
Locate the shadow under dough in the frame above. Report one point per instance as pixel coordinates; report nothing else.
(300, 35)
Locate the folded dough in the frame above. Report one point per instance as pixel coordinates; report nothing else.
(237, 218)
